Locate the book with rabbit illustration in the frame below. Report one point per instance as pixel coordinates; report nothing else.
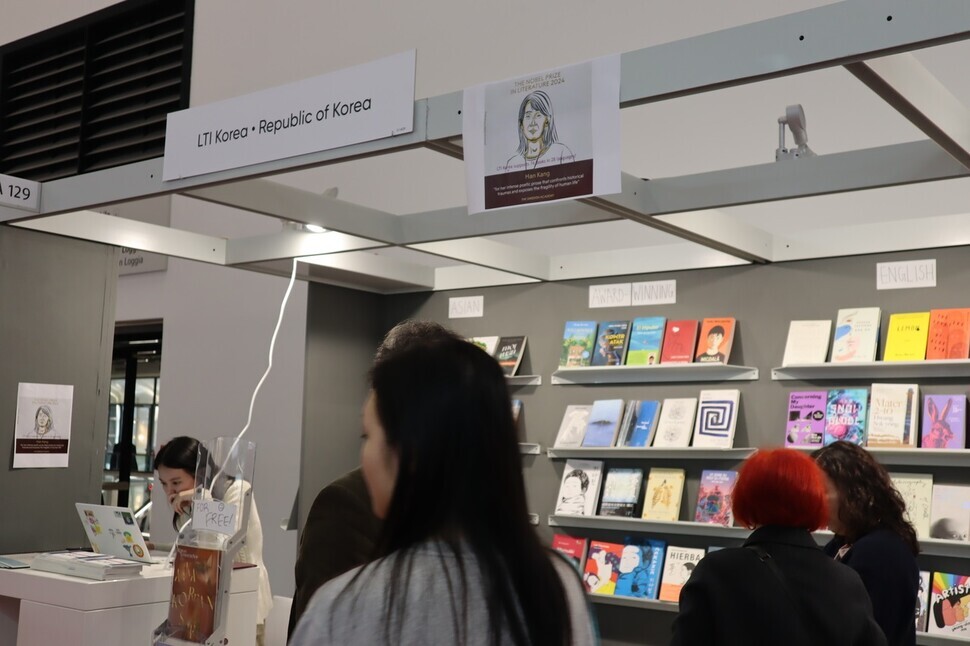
(944, 422)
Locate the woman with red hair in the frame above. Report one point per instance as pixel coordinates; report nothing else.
(779, 588)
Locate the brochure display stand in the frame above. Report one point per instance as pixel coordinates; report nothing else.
(207, 545)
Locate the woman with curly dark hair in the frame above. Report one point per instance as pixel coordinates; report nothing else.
(872, 535)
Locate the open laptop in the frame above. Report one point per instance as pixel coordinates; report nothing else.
(114, 531)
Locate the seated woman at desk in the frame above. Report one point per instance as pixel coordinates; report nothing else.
(175, 464)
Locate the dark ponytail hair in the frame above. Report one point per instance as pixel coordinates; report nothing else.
(178, 453)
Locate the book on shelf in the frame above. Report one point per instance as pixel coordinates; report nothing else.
(640, 568)
(714, 497)
(621, 492)
(486, 343)
(845, 415)
(602, 567)
(571, 547)
(644, 423)
(808, 342)
(680, 339)
(626, 422)
(578, 343)
(88, 565)
(949, 600)
(715, 340)
(676, 422)
(893, 416)
(603, 423)
(509, 353)
(678, 566)
(665, 488)
(906, 336)
(717, 418)
(949, 335)
(856, 337)
(580, 488)
(573, 426)
(917, 492)
(646, 340)
(923, 602)
(806, 418)
(944, 422)
(611, 340)
(950, 516)
(195, 588)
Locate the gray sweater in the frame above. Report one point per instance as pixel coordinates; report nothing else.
(428, 611)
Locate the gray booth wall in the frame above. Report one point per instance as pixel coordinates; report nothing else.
(763, 298)
(57, 300)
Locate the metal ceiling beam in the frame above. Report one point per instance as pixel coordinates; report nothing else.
(904, 83)
(393, 271)
(474, 277)
(488, 253)
(646, 260)
(293, 244)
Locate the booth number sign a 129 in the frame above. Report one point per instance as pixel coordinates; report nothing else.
(19, 193)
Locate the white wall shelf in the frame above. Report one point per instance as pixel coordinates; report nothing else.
(924, 639)
(671, 373)
(914, 457)
(633, 602)
(519, 381)
(686, 528)
(651, 453)
(526, 448)
(934, 369)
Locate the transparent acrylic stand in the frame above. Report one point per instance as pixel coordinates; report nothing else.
(207, 545)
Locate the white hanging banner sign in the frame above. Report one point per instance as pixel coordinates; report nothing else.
(349, 106)
(42, 431)
(466, 307)
(655, 292)
(19, 193)
(214, 515)
(907, 274)
(615, 295)
(545, 137)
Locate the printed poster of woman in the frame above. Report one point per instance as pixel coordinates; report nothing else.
(43, 427)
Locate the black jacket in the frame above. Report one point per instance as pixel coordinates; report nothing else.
(734, 598)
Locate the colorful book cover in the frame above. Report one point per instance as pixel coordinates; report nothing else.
(602, 567)
(640, 568)
(195, 587)
(676, 422)
(680, 339)
(949, 604)
(486, 343)
(621, 492)
(949, 336)
(580, 488)
(950, 517)
(604, 422)
(665, 487)
(944, 422)
(715, 340)
(807, 343)
(714, 497)
(923, 602)
(647, 413)
(856, 335)
(509, 352)
(893, 415)
(611, 340)
(573, 426)
(917, 492)
(646, 340)
(906, 336)
(578, 341)
(717, 418)
(678, 566)
(806, 418)
(845, 415)
(573, 548)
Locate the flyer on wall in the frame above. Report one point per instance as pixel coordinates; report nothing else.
(42, 434)
(544, 137)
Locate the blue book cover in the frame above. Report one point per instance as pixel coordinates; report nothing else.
(611, 342)
(578, 339)
(646, 339)
(604, 420)
(845, 415)
(640, 566)
(646, 422)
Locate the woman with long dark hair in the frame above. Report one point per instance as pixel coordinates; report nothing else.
(872, 535)
(458, 562)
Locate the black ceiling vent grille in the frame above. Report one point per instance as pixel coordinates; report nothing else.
(94, 93)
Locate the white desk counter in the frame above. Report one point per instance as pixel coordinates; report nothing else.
(40, 608)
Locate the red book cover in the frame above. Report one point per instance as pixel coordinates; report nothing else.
(571, 547)
(195, 586)
(949, 336)
(680, 337)
(716, 338)
(602, 567)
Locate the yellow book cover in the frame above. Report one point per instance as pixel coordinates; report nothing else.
(906, 338)
(665, 487)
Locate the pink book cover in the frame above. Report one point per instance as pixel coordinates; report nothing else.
(680, 339)
(944, 422)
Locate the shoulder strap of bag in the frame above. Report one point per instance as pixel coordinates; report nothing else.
(801, 620)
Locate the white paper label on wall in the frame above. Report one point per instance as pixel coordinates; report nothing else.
(906, 275)
(656, 292)
(19, 193)
(615, 295)
(214, 515)
(466, 307)
(361, 103)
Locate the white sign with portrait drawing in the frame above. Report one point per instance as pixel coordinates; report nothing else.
(42, 432)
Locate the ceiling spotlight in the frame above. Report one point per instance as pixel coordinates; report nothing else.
(314, 228)
(303, 228)
(795, 120)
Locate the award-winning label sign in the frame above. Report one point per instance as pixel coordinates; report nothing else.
(214, 515)
(19, 193)
(361, 103)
